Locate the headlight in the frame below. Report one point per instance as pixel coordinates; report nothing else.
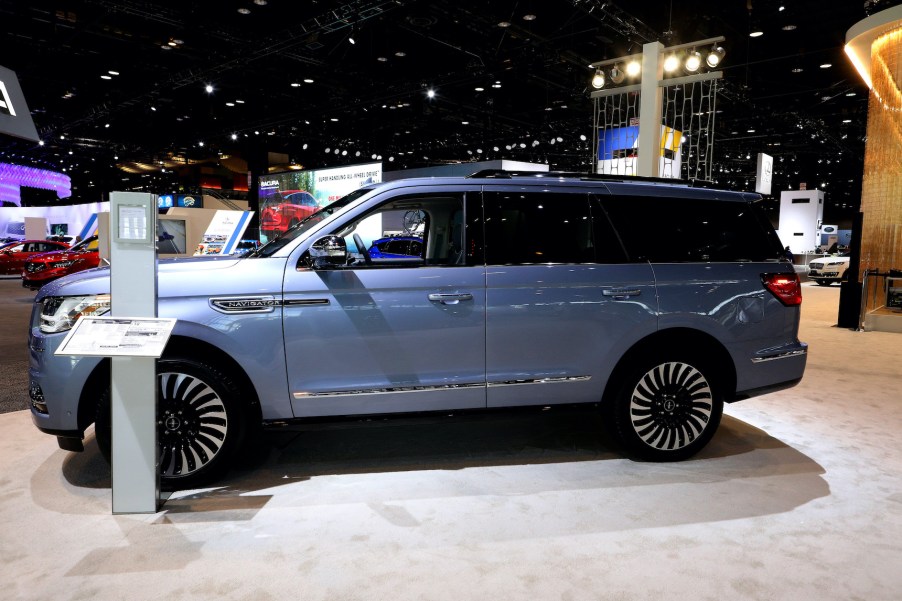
(59, 313)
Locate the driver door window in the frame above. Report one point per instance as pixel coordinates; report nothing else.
(415, 230)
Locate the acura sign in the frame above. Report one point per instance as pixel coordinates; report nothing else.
(15, 119)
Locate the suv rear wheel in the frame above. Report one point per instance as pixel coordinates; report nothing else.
(200, 424)
(667, 408)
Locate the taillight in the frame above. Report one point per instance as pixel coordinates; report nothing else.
(785, 286)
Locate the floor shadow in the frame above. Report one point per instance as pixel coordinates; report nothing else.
(535, 453)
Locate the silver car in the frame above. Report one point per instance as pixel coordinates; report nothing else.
(657, 302)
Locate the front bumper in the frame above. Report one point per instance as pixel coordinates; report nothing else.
(55, 385)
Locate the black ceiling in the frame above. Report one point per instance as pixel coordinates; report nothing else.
(370, 97)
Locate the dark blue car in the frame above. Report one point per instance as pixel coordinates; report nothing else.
(397, 247)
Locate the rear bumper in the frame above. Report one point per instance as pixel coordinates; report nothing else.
(772, 369)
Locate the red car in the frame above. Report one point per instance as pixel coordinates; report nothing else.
(13, 256)
(275, 219)
(47, 267)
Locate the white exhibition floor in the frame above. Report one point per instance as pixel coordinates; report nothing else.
(798, 497)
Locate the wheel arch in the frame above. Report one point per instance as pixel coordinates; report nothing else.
(177, 346)
(696, 342)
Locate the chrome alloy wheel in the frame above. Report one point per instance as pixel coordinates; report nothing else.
(192, 424)
(671, 406)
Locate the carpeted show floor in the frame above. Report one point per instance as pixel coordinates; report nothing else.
(798, 497)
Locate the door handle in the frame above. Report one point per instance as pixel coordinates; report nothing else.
(450, 298)
(621, 293)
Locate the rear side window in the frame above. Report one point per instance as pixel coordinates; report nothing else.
(523, 228)
(676, 230)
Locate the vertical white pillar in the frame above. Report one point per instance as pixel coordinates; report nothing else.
(651, 104)
(133, 293)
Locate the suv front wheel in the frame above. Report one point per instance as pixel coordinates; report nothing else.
(667, 409)
(200, 424)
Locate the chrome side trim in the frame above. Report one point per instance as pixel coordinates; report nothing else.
(392, 390)
(260, 304)
(557, 380)
(404, 389)
(785, 355)
(299, 302)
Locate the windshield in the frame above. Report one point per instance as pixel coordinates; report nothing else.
(89, 244)
(276, 244)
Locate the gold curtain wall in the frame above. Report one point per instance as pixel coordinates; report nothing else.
(881, 193)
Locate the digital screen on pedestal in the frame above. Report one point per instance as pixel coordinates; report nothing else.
(287, 198)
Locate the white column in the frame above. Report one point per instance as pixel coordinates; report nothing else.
(651, 104)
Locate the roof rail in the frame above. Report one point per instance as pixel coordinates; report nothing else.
(504, 174)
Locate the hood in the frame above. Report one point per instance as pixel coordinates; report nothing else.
(97, 280)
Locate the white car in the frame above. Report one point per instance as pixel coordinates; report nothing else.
(829, 269)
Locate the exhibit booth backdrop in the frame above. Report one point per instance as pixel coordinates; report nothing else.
(62, 220)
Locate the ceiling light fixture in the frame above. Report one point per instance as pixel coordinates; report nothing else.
(671, 63)
(598, 79)
(234, 136)
(113, 72)
(308, 80)
(244, 11)
(295, 84)
(789, 27)
(504, 24)
(633, 68)
(400, 54)
(430, 93)
(693, 61)
(529, 17)
(715, 56)
(106, 77)
(617, 74)
(756, 33)
(208, 89)
(826, 65)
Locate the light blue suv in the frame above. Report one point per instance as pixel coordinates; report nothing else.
(658, 302)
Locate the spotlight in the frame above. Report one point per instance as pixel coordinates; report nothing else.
(671, 63)
(693, 61)
(617, 74)
(598, 79)
(633, 68)
(208, 88)
(715, 56)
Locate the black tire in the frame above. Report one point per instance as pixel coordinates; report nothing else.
(823, 282)
(667, 409)
(200, 422)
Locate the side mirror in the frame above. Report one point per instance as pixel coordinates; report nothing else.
(327, 253)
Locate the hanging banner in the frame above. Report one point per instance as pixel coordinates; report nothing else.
(765, 174)
(15, 118)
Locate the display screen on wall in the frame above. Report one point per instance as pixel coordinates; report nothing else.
(286, 198)
(192, 201)
(171, 239)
